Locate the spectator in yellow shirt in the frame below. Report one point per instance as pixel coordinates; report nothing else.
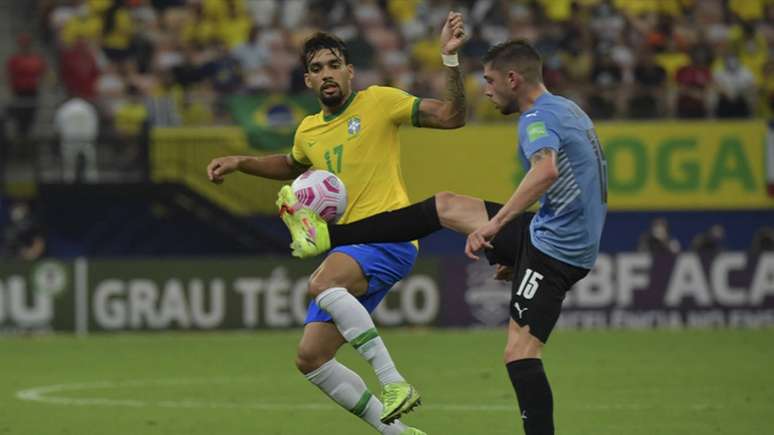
(234, 27)
(131, 115)
(747, 10)
(218, 10)
(117, 33)
(130, 121)
(83, 25)
(198, 28)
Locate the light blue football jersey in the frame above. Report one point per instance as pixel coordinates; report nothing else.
(568, 225)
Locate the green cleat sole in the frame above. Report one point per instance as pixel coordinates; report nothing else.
(412, 401)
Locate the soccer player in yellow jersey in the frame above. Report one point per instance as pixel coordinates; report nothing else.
(356, 136)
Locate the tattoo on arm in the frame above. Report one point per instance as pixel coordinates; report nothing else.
(455, 91)
(543, 153)
(450, 112)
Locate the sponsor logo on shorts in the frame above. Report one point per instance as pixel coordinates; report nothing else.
(519, 309)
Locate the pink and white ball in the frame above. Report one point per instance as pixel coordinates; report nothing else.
(323, 192)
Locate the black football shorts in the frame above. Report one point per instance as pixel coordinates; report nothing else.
(540, 282)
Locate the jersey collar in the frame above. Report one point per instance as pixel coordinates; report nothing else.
(332, 116)
(542, 96)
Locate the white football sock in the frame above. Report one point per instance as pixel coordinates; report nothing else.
(355, 324)
(347, 389)
(374, 412)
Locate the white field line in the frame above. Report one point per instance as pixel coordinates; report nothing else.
(52, 394)
(55, 394)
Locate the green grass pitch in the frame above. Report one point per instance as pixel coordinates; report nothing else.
(623, 382)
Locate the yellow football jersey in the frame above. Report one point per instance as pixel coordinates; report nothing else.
(360, 144)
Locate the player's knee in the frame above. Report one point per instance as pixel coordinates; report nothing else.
(318, 285)
(516, 353)
(320, 282)
(444, 203)
(522, 348)
(307, 362)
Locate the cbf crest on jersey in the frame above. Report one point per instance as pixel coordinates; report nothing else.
(353, 125)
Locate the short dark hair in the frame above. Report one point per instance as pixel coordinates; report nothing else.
(323, 41)
(519, 55)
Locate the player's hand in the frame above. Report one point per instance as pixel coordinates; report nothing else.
(220, 167)
(503, 273)
(479, 239)
(453, 33)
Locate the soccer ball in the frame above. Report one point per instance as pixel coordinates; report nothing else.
(323, 192)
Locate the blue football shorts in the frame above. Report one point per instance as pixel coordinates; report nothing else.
(383, 264)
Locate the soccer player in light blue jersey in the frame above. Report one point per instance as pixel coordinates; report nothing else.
(543, 254)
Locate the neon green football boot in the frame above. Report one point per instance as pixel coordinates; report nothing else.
(308, 230)
(412, 431)
(398, 398)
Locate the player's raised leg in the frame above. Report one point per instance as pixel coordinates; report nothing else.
(334, 286)
(316, 361)
(313, 236)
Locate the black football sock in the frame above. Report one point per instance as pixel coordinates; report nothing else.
(534, 395)
(401, 225)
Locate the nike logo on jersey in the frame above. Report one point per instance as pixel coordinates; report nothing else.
(311, 143)
(520, 310)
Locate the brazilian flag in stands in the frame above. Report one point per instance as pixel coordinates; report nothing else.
(270, 120)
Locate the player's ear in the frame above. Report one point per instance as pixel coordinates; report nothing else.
(514, 79)
(307, 81)
(351, 71)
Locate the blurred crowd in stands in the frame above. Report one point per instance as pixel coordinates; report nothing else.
(118, 68)
(658, 240)
(169, 61)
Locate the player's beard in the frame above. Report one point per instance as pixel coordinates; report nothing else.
(510, 108)
(332, 100)
(509, 105)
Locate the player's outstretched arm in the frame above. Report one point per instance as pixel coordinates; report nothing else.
(275, 166)
(542, 174)
(451, 111)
